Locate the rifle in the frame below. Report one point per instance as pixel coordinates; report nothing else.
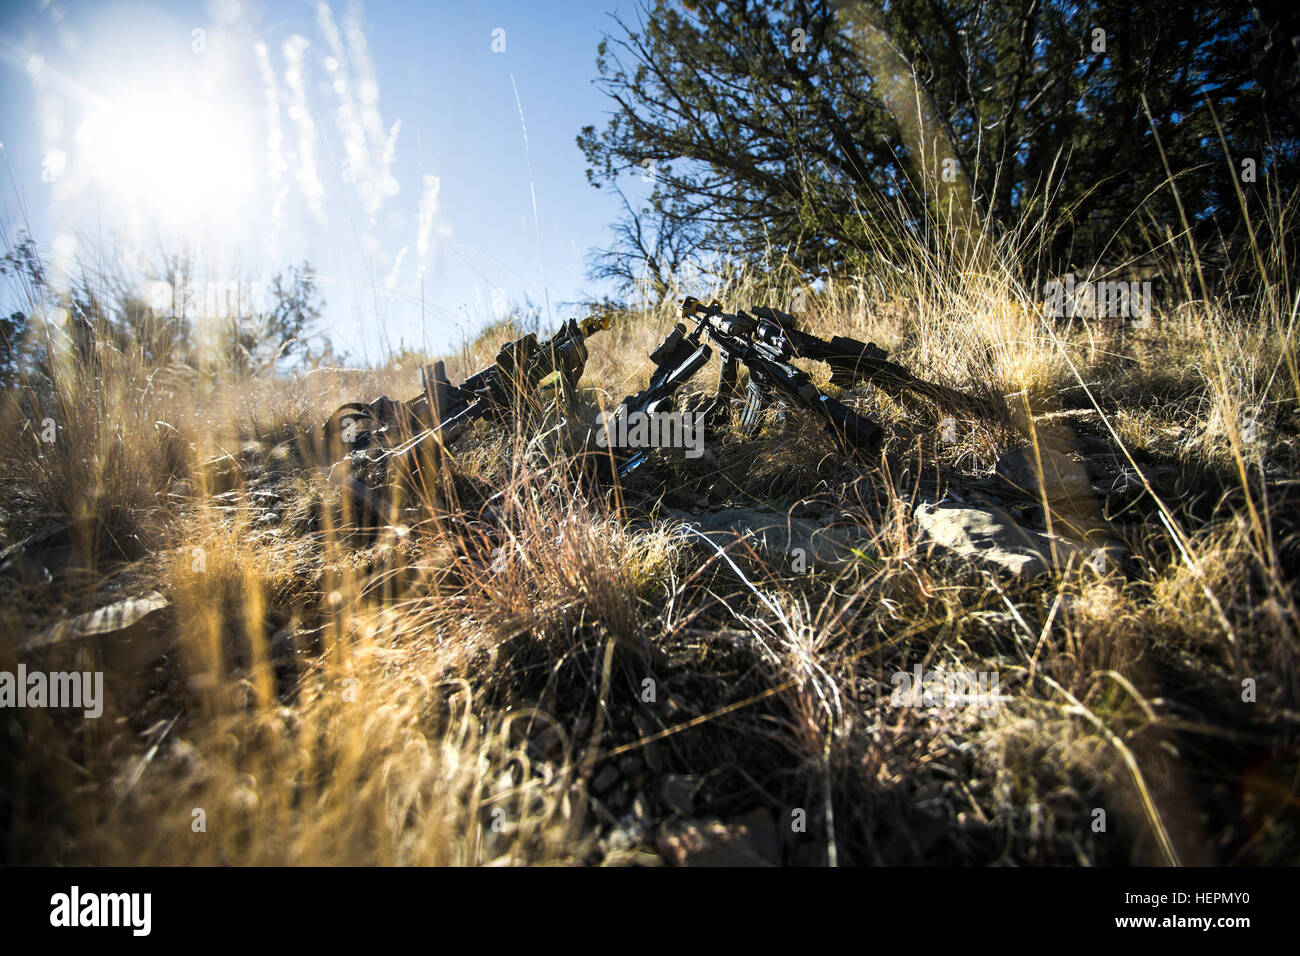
(676, 360)
(852, 362)
(506, 387)
(764, 348)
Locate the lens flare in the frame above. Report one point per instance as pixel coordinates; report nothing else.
(183, 162)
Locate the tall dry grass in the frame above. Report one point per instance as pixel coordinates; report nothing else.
(445, 685)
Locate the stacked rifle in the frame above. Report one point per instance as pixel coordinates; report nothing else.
(508, 387)
(765, 341)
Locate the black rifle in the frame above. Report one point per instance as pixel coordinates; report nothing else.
(852, 361)
(505, 387)
(765, 349)
(676, 360)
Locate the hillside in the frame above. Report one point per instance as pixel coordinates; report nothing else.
(710, 663)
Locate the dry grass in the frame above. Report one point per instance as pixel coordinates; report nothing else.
(444, 689)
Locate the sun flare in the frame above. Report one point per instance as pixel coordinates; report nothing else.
(183, 161)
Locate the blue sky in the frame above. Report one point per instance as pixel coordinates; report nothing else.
(382, 142)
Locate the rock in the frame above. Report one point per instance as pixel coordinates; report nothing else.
(654, 758)
(39, 556)
(225, 472)
(992, 539)
(547, 744)
(779, 535)
(629, 765)
(1127, 484)
(718, 492)
(131, 633)
(607, 777)
(749, 841)
(809, 508)
(624, 837)
(678, 793)
(1061, 476)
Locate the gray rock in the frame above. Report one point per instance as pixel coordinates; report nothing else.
(1061, 477)
(607, 777)
(992, 539)
(678, 793)
(810, 508)
(130, 634)
(629, 765)
(43, 555)
(654, 758)
(778, 534)
(1127, 483)
(749, 841)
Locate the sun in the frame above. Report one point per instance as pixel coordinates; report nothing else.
(172, 158)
